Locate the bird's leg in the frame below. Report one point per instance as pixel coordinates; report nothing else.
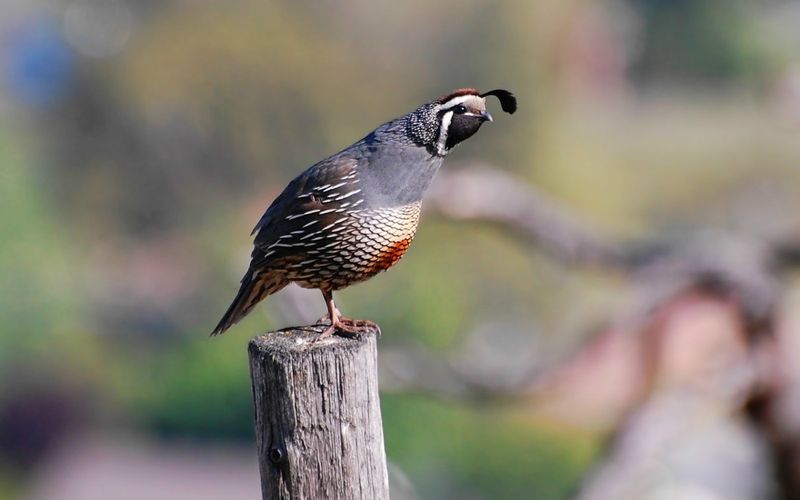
(333, 316)
(326, 319)
(341, 324)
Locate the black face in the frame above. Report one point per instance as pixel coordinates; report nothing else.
(462, 127)
(424, 125)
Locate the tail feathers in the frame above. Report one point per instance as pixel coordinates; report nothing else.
(256, 286)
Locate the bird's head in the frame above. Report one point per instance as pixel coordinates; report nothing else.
(443, 123)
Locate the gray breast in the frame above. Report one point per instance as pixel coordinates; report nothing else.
(396, 176)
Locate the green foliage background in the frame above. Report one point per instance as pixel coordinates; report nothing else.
(125, 208)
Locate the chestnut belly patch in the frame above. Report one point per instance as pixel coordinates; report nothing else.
(388, 256)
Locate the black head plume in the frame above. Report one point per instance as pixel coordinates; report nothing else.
(507, 100)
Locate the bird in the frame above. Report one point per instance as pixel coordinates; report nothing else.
(354, 214)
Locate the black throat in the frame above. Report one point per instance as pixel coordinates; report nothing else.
(462, 127)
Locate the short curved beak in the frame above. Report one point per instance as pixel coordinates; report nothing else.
(486, 117)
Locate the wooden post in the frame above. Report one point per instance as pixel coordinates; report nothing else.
(318, 417)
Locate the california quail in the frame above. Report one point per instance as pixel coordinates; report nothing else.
(355, 213)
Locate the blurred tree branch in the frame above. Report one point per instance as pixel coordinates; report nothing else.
(485, 194)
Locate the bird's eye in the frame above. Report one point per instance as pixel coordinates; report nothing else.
(460, 109)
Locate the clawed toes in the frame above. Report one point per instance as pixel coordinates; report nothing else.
(349, 327)
(346, 327)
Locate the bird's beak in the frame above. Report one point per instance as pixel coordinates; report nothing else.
(486, 117)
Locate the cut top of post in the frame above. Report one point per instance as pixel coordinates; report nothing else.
(304, 339)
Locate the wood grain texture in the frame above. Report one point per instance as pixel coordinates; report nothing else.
(317, 414)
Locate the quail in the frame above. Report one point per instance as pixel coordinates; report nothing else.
(354, 214)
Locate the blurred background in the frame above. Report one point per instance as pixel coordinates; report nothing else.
(624, 329)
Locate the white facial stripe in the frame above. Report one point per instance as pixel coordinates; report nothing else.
(475, 101)
(443, 133)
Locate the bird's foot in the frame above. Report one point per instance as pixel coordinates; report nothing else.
(347, 327)
(325, 333)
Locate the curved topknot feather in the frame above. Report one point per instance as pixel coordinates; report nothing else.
(507, 100)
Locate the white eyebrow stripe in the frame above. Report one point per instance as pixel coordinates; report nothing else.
(463, 99)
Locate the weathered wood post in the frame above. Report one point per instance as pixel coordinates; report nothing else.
(317, 415)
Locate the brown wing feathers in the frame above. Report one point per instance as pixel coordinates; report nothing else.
(293, 225)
